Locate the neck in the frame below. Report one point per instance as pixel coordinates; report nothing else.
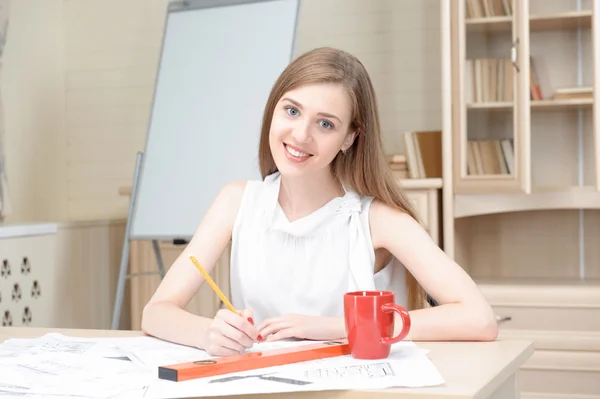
(301, 196)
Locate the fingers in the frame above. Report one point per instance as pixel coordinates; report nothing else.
(275, 327)
(281, 334)
(240, 323)
(248, 314)
(224, 346)
(235, 327)
(267, 322)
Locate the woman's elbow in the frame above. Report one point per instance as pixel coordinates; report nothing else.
(489, 332)
(486, 325)
(146, 322)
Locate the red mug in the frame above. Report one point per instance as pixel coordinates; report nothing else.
(369, 319)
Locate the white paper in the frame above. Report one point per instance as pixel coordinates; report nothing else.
(69, 374)
(58, 343)
(54, 366)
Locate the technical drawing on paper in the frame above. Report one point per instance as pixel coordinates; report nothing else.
(52, 344)
(374, 370)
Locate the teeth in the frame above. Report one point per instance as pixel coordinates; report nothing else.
(296, 153)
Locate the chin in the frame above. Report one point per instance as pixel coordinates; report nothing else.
(285, 168)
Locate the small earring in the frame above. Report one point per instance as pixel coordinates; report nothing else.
(345, 152)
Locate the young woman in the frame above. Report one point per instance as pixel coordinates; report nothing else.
(327, 218)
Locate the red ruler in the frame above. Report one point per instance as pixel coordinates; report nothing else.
(253, 360)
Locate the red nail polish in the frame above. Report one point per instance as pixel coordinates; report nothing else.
(260, 338)
(251, 320)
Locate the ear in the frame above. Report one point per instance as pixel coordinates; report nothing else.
(350, 137)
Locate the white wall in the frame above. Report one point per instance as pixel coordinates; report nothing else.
(32, 84)
(84, 73)
(398, 41)
(112, 51)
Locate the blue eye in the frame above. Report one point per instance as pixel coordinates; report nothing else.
(326, 124)
(293, 111)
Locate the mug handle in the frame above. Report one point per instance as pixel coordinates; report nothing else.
(392, 307)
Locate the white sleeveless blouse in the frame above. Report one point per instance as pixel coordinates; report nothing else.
(279, 267)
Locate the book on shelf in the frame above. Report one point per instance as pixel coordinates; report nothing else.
(490, 157)
(488, 80)
(567, 93)
(423, 153)
(398, 165)
(488, 8)
(535, 90)
(396, 159)
(491, 80)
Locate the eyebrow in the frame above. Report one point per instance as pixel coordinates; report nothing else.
(325, 114)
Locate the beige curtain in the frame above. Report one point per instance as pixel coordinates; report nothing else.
(5, 205)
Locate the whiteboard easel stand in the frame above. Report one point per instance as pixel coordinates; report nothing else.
(124, 275)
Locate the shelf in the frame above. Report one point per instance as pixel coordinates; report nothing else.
(420, 183)
(489, 24)
(555, 340)
(535, 104)
(567, 292)
(562, 21)
(497, 177)
(466, 205)
(537, 285)
(501, 105)
(565, 21)
(558, 104)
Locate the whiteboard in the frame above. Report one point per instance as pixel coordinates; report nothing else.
(219, 61)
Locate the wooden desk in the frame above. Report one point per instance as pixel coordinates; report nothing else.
(474, 370)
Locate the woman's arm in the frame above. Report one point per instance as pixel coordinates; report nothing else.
(164, 315)
(464, 313)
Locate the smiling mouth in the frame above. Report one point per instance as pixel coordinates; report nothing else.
(296, 153)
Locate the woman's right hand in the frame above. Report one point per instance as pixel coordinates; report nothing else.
(231, 333)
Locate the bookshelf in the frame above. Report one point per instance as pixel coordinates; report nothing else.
(521, 170)
(523, 120)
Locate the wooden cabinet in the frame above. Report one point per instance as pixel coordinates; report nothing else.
(87, 262)
(60, 275)
(524, 80)
(563, 321)
(28, 278)
(521, 149)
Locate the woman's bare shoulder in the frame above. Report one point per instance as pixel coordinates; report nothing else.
(387, 221)
(230, 196)
(234, 190)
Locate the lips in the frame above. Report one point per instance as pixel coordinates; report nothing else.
(296, 152)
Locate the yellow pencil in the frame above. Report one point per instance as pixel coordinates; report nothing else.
(213, 285)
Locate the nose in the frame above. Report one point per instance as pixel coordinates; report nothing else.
(301, 132)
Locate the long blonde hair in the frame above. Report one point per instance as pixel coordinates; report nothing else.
(364, 167)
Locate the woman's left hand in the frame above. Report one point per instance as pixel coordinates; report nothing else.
(317, 328)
